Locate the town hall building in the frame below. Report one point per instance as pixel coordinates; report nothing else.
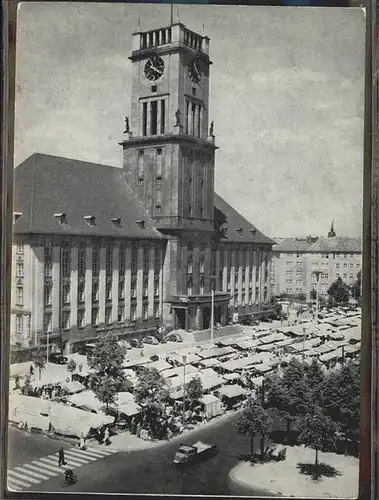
(99, 248)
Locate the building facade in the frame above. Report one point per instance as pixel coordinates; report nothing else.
(301, 265)
(145, 244)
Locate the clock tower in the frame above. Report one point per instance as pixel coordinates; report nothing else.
(169, 151)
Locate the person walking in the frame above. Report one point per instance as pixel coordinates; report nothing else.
(31, 370)
(61, 460)
(106, 436)
(82, 443)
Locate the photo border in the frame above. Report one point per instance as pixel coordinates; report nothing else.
(369, 426)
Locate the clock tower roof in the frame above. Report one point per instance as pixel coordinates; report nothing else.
(176, 36)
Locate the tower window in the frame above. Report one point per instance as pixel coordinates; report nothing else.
(140, 181)
(154, 88)
(202, 183)
(144, 118)
(190, 209)
(159, 182)
(158, 209)
(163, 116)
(193, 119)
(193, 91)
(153, 117)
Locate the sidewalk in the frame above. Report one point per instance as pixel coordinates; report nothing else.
(129, 442)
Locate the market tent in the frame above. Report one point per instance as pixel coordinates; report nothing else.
(232, 391)
(231, 376)
(210, 379)
(353, 333)
(178, 371)
(70, 421)
(32, 411)
(352, 349)
(206, 363)
(247, 344)
(86, 400)
(215, 352)
(300, 346)
(331, 356)
(211, 405)
(73, 387)
(177, 358)
(160, 365)
(263, 368)
(257, 381)
(324, 348)
(275, 337)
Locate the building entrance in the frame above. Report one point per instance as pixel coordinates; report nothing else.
(206, 318)
(180, 319)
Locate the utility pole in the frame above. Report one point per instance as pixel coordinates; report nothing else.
(184, 359)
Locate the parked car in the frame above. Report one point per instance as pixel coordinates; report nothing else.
(136, 343)
(57, 358)
(173, 337)
(150, 340)
(266, 320)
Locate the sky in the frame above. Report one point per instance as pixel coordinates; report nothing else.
(286, 98)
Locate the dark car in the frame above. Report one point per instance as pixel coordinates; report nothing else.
(136, 343)
(57, 358)
(266, 320)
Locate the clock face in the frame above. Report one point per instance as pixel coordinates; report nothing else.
(154, 68)
(194, 71)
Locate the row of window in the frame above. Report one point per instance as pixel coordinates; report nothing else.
(66, 317)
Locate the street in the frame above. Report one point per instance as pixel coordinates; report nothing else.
(24, 446)
(152, 471)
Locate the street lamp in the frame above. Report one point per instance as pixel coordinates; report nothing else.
(212, 305)
(304, 334)
(317, 274)
(184, 359)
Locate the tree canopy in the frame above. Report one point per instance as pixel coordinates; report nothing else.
(253, 420)
(194, 390)
(339, 291)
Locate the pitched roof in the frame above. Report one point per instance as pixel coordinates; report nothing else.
(237, 228)
(46, 185)
(293, 245)
(337, 244)
(322, 244)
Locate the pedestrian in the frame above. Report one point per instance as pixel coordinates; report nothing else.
(17, 382)
(31, 370)
(61, 460)
(106, 436)
(99, 437)
(82, 442)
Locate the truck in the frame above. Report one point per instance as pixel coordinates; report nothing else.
(187, 454)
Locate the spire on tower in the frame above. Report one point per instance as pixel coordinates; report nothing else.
(332, 233)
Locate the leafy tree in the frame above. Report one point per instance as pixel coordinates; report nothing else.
(194, 390)
(152, 393)
(290, 393)
(341, 400)
(71, 367)
(106, 359)
(339, 291)
(39, 362)
(356, 286)
(315, 379)
(318, 431)
(253, 420)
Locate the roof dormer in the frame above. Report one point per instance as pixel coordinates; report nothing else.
(116, 221)
(140, 224)
(16, 216)
(61, 218)
(90, 219)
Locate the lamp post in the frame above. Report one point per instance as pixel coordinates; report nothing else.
(304, 335)
(317, 274)
(212, 305)
(184, 359)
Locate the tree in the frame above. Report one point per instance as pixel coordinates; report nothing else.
(194, 390)
(315, 379)
(356, 286)
(39, 362)
(71, 367)
(341, 400)
(339, 291)
(253, 420)
(107, 359)
(288, 394)
(317, 431)
(152, 394)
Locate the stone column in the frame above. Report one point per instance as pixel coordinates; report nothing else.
(196, 269)
(240, 270)
(151, 281)
(56, 278)
(88, 286)
(254, 275)
(74, 285)
(102, 281)
(139, 280)
(38, 299)
(128, 278)
(199, 318)
(115, 278)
